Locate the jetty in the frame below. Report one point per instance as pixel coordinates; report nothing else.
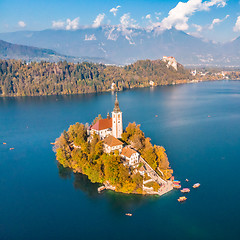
(106, 186)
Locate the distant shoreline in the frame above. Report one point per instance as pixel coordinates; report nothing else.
(178, 82)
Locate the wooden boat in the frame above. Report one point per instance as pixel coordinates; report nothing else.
(128, 214)
(4, 143)
(52, 143)
(196, 185)
(182, 199)
(176, 182)
(177, 186)
(11, 148)
(185, 190)
(101, 188)
(186, 180)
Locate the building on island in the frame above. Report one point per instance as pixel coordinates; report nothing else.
(130, 155)
(117, 126)
(109, 126)
(102, 127)
(110, 144)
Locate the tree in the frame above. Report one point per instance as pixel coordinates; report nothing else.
(162, 159)
(149, 155)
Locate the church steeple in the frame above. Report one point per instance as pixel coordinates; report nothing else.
(116, 106)
(117, 127)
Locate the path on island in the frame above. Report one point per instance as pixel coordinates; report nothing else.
(166, 186)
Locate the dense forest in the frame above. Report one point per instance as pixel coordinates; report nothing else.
(89, 158)
(19, 78)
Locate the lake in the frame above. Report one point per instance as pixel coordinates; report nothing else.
(198, 124)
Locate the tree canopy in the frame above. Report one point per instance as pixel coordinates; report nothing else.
(75, 151)
(19, 78)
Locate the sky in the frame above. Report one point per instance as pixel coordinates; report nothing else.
(216, 20)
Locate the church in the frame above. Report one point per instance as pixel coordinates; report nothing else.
(110, 131)
(109, 126)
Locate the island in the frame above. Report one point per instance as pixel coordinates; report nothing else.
(121, 160)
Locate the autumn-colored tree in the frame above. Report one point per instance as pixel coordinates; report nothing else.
(18, 78)
(149, 155)
(162, 159)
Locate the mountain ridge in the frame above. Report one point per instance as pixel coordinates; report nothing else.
(124, 46)
(30, 53)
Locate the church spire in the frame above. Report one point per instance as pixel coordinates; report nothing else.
(116, 106)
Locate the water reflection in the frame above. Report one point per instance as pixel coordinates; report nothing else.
(118, 202)
(64, 173)
(81, 182)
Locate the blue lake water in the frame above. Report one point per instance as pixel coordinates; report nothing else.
(198, 124)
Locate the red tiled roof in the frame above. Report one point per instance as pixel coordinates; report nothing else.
(102, 124)
(112, 141)
(128, 152)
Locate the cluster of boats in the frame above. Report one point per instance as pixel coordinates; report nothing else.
(177, 185)
(9, 148)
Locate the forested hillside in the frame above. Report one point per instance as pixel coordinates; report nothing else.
(45, 78)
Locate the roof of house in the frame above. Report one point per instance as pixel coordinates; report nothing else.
(141, 169)
(128, 152)
(102, 124)
(112, 141)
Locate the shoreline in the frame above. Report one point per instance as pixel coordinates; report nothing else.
(169, 188)
(177, 82)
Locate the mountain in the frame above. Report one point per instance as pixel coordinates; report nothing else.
(126, 45)
(27, 53)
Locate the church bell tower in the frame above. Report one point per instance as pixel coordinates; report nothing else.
(117, 126)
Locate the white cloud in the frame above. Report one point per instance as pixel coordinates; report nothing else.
(220, 3)
(68, 24)
(22, 24)
(195, 34)
(90, 37)
(58, 24)
(178, 17)
(198, 27)
(114, 10)
(148, 16)
(217, 21)
(126, 23)
(236, 28)
(72, 25)
(97, 22)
